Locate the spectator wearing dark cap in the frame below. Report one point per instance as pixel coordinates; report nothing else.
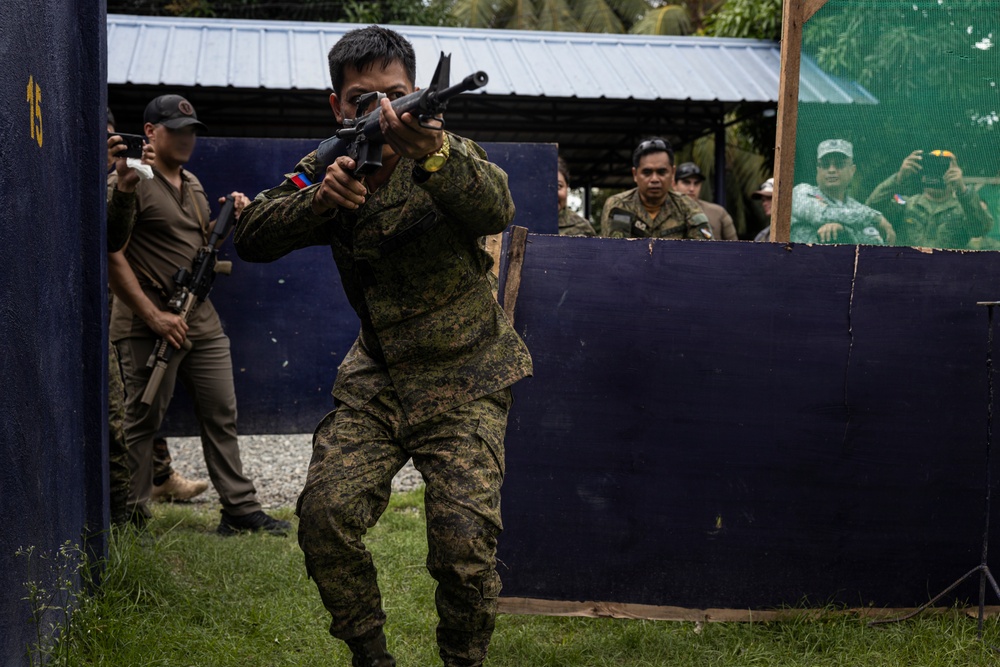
(688, 180)
(172, 225)
(825, 213)
(930, 204)
(766, 197)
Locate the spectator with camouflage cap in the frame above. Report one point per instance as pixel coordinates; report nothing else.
(688, 180)
(825, 213)
(652, 208)
(930, 203)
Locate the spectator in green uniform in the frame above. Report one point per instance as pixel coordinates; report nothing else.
(571, 223)
(429, 376)
(930, 204)
(825, 213)
(121, 219)
(652, 208)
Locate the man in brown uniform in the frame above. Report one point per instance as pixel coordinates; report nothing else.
(172, 224)
(688, 180)
(428, 377)
(652, 208)
(167, 482)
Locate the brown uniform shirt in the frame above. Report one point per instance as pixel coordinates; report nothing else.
(170, 227)
(719, 220)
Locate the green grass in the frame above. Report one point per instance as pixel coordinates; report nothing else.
(182, 596)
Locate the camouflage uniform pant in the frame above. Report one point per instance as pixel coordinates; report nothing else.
(161, 461)
(117, 452)
(461, 457)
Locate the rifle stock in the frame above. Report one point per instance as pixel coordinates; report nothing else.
(191, 287)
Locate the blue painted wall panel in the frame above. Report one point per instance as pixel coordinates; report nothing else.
(744, 425)
(289, 320)
(52, 306)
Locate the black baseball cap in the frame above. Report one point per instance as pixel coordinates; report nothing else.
(172, 111)
(688, 170)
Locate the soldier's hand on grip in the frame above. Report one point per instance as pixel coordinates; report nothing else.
(406, 135)
(240, 202)
(339, 188)
(169, 326)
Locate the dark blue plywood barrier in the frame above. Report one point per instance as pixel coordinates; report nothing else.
(289, 320)
(738, 425)
(52, 303)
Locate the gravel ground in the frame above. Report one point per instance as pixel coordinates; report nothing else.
(277, 464)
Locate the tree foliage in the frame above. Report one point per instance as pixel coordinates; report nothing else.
(934, 67)
(405, 12)
(757, 19)
(644, 17)
(906, 48)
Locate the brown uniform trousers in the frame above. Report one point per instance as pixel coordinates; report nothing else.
(207, 374)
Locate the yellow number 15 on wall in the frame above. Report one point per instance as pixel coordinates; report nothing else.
(35, 104)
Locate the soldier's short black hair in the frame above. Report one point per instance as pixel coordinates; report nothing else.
(364, 46)
(111, 118)
(652, 145)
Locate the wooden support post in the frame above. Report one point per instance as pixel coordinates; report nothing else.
(515, 260)
(794, 14)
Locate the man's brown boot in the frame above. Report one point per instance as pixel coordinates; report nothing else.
(177, 487)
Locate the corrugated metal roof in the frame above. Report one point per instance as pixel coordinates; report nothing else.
(292, 56)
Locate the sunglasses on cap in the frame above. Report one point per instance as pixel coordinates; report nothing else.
(652, 144)
(836, 160)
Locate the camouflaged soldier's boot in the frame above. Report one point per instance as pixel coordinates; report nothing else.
(370, 650)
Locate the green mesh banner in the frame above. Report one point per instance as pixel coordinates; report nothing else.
(919, 165)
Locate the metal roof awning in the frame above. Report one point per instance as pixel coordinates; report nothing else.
(594, 94)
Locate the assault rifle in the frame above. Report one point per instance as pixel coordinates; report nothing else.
(361, 137)
(190, 286)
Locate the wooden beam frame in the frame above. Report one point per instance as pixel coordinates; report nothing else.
(794, 15)
(532, 606)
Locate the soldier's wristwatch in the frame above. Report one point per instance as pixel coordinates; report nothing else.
(436, 160)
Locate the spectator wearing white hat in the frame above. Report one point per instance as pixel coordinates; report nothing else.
(765, 194)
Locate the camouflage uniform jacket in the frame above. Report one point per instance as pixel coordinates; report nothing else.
(811, 209)
(922, 221)
(572, 223)
(415, 270)
(678, 218)
(121, 218)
